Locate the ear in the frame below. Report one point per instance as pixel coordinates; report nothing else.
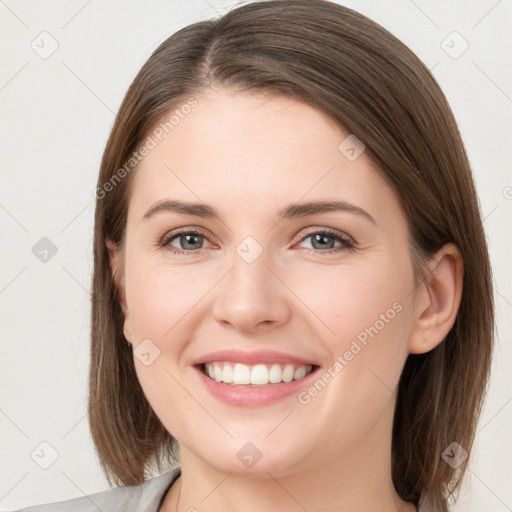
(437, 300)
(116, 272)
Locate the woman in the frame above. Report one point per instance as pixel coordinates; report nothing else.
(292, 295)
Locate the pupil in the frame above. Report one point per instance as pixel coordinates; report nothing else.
(322, 238)
(187, 243)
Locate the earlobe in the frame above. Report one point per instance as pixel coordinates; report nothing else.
(438, 300)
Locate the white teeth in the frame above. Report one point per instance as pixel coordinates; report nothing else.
(275, 374)
(241, 374)
(257, 375)
(217, 373)
(299, 373)
(288, 372)
(227, 374)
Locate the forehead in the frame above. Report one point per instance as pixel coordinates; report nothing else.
(255, 151)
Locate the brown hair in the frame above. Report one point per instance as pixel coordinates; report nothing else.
(373, 86)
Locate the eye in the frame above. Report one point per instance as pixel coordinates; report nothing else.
(324, 241)
(188, 241)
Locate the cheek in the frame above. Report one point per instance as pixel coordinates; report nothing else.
(161, 308)
(353, 303)
(364, 318)
(160, 298)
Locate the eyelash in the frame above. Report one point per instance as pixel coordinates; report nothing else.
(346, 243)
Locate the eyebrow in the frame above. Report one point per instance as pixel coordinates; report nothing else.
(295, 210)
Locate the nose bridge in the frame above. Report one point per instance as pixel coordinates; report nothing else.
(251, 295)
(251, 267)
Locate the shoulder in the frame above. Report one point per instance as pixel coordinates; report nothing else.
(135, 498)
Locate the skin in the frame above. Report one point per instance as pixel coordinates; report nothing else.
(249, 155)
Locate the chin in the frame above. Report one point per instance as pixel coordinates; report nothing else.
(258, 457)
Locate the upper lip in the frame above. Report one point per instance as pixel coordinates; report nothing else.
(250, 358)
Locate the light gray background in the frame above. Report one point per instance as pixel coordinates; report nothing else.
(56, 114)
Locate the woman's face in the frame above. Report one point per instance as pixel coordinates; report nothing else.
(256, 286)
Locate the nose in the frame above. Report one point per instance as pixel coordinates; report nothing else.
(252, 297)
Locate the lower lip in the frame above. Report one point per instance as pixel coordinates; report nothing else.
(253, 396)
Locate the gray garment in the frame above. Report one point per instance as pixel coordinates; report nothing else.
(145, 497)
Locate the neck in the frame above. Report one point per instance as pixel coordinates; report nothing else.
(354, 479)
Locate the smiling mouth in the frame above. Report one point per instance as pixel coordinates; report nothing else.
(239, 374)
